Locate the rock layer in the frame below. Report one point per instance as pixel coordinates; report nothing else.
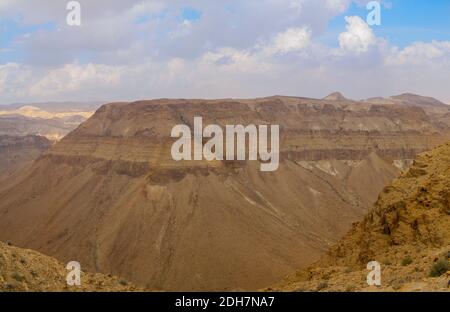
(110, 196)
(407, 232)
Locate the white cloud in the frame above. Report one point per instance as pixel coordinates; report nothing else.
(13, 79)
(144, 49)
(76, 78)
(338, 5)
(420, 53)
(292, 40)
(358, 38)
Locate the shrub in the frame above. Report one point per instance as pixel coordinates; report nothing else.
(407, 261)
(439, 268)
(18, 277)
(322, 286)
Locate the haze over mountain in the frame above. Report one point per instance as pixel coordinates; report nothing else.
(17, 151)
(52, 120)
(110, 196)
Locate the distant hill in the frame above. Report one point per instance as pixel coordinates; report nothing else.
(52, 120)
(56, 107)
(409, 99)
(336, 96)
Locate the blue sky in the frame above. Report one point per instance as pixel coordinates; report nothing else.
(202, 48)
(403, 21)
(11, 30)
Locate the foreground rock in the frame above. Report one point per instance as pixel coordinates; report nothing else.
(27, 270)
(408, 233)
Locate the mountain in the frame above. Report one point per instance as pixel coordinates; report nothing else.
(417, 100)
(409, 99)
(27, 270)
(110, 196)
(56, 107)
(336, 96)
(439, 111)
(16, 151)
(52, 120)
(408, 232)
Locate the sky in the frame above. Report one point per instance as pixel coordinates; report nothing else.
(145, 49)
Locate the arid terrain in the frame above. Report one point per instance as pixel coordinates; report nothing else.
(27, 270)
(19, 151)
(110, 196)
(407, 232)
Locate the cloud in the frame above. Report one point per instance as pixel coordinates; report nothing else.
(293, 39)
(13, 78)
(420, 53)
(358, 38)
(76, 77)
(137, 49)
(338, 5)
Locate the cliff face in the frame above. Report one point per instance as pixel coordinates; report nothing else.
(17, 151)
(110, 196)
(408, 232)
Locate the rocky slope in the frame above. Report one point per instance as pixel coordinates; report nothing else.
(110, 196)
(407, 232)
(27, 270)
(17, 151)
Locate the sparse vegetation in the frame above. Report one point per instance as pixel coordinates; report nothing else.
(439, 268)
(322, 286)
(350, 288)
(407, 261)
(18, 277)
(43, 273)
(387, 262)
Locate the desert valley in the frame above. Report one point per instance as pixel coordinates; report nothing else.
(102, 189)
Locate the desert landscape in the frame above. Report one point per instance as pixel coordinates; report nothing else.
(109, 195)
(258, 149)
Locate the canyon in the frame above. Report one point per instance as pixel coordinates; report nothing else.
(110, 196)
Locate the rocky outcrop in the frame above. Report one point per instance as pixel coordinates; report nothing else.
(408, 232)
(27, 270)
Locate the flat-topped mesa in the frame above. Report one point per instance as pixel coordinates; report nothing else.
(110, 195)
(310, 129)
